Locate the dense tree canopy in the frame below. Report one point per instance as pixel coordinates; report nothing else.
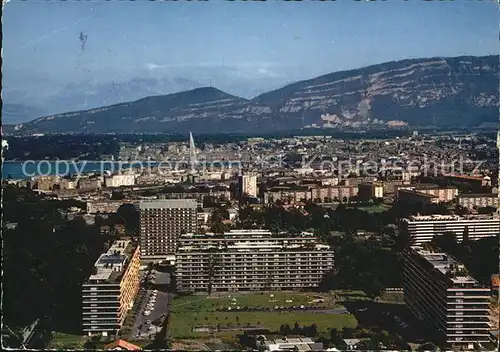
(44, 265)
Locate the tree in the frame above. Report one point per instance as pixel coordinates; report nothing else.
(129, 212)
(285, 329)
(486, 210)
(117, 196)
(216, 222)
(373, 287)
(428, 346)
(335, 336)
(212, 268)
(368, 345)
(447, 241)
(311, 331)
(347, 333)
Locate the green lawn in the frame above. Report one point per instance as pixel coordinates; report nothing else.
(181, 323)
(351, 295)
(392, 296)
(210, 304)
(66, 341)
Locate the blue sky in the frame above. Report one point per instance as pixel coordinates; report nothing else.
(242, 47)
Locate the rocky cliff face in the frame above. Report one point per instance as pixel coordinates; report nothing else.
(459, 91)
(442, 92)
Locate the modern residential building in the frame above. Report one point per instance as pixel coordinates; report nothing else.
(288, 196)
(438, 289)
(110, 292)
(410, 196)
(250, 260)
(423, 228)
(161, 224)
(46, 183)
(391, 186)
(475, 201)
(335, 193)
(105, 206)
(248, 185)
(199, 196)
(442, 194)
(474, 183)
(316, 194)
(367, 191)
(91, 183)
(120, 180)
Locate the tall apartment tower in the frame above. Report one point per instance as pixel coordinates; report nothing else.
(422, 228)
(248, 185)
(109, 294)
(438, 290)
(161, 224)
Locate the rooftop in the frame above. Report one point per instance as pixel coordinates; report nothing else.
(466, 177)
(436, 217)
(421, 194)
(447, 265)
(169, 204)
(111, 264)
(478, 195)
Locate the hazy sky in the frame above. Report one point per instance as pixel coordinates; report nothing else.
(246, 47)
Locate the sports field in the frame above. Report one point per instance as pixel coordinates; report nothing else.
(252, 300)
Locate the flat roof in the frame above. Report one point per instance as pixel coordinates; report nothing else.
(437, 217)
(467, 177)
(111, 264)
(420, 194)
(479, 195)
(168, 204)
(445, 264)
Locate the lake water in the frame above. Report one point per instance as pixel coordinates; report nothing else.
(31, 168)
(27, 169)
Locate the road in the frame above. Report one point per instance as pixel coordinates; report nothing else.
(142, 330)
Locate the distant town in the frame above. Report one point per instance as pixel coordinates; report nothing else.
(305, 243)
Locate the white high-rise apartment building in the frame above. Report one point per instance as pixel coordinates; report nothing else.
(109, 294)
(161, 224)
(248, 185)
(250, 260)
(423, 228)
(120, 180)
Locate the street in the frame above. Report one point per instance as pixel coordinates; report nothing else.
(141, 329)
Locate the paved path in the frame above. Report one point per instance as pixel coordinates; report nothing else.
(140, 328)
(160, 309)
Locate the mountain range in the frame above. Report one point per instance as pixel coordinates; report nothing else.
(440, 92)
